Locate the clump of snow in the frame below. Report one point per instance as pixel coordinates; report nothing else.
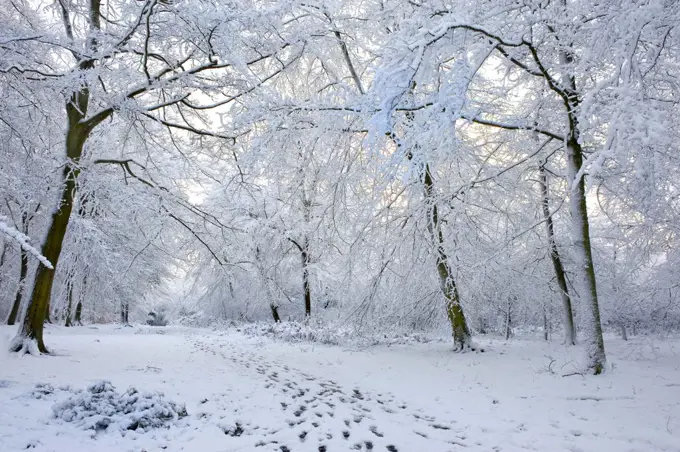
(42, 391)
(149, 330)
(101, 407)
(328, 334)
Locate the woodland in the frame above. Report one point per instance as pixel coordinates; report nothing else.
(487, 167)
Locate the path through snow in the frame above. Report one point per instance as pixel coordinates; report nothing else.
(320, 414)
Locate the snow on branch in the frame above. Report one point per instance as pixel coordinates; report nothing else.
(23, 240)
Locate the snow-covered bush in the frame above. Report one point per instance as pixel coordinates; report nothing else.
(330, 334)
(300, 332)
(192, 318)
(100, 407)
(157, 318)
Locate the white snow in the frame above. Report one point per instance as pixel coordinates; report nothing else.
(254, 394)
(23, 241)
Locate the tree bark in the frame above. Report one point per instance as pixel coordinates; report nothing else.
(79, 312)
(23, 271)
(584, 258)
(38, 305)
(48, 318)
(68, 322)
(462, 339)
(77, 132)
(77, 318)
(585, 269)
(32, 326)
(275, 313)
(569, 330)
(306, 285)
(304, 255)
(3, 255)
(508, 323)
(125, 313)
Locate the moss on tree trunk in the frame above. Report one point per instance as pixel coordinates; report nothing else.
(583, 252)
(38, 304)
(462, 339)
(32, 326)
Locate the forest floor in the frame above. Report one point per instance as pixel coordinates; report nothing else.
(254, 394)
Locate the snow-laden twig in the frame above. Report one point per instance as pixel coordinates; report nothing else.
(23, 240)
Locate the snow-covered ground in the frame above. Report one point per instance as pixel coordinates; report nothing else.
(253, 394)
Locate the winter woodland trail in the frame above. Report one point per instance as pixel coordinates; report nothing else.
(253, 394)
(321, 415)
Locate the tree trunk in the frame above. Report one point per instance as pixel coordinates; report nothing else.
(32, 326)
(79, 313)
(77, 132)
(275, 313)
(3, 255)
(48, 318)
(304, 254)
(569, 330)
(508, 323)
(585, 269)
(38, 305)
(462, 339)
(125, 313)
(624, 333)
(482, 325)
(23, 271)
(584, 258)
(306, 286)
(78, 320)
(68, 322)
